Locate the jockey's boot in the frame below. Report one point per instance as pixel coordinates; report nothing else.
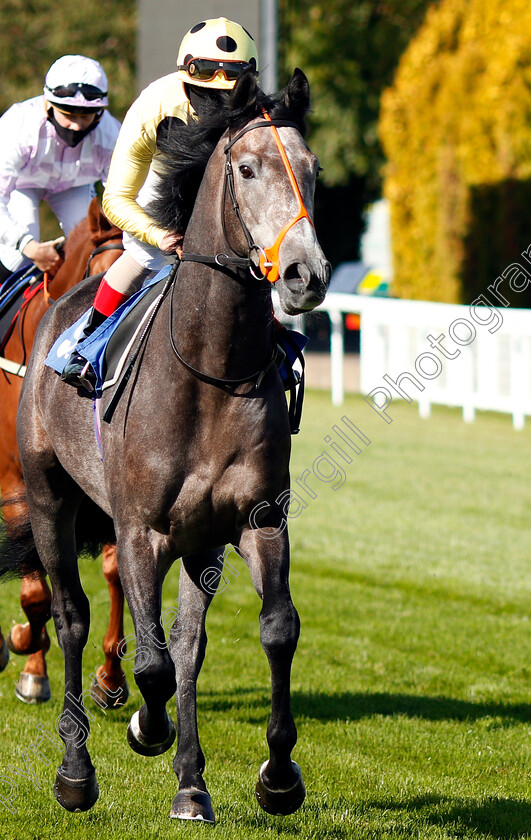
(77, 371)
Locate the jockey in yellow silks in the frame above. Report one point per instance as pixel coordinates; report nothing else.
(211, 57)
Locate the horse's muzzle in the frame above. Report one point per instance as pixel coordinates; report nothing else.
(302, 287)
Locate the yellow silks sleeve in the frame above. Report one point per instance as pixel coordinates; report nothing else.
(135, 153)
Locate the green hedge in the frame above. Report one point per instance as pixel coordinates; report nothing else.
(456, 129)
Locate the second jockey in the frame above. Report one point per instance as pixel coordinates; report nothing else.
(54, 148)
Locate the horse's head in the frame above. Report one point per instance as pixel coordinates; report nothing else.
(273, 175)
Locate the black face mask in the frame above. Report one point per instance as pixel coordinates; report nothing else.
(206, 101)
(68, 135)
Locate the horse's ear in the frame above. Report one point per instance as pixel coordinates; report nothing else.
(93, 216)
(244, 91)
(97, 222)
(297, 93)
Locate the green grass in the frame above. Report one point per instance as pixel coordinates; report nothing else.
(411, 679)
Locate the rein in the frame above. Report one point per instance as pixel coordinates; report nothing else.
(107, 246)
(219, 382)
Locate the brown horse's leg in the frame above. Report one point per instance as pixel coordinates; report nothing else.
(110, 688)
(31, 639)
(198, 581)
(35, 599)
(280, 788)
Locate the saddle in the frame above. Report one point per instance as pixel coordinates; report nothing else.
(15, 294)
(109, 346)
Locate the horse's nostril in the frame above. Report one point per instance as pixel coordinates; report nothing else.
(292, 271)
(296, 277)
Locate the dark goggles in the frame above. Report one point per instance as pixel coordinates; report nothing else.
(204, 69)
(90, 92)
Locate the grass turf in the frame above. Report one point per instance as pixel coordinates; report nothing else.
(411, 679)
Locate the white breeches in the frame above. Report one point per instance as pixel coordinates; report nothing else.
(70, 208)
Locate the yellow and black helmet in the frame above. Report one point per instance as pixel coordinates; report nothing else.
(214, 53)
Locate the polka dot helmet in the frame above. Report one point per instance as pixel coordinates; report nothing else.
(214, 53)
(76, 83)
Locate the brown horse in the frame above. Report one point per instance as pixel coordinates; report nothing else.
(91, 247)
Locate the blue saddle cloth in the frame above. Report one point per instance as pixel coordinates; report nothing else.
(93, 348)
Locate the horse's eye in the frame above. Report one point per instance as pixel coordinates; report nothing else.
(246, 171)
(319, 170)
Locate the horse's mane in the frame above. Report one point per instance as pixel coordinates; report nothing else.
(187, 149)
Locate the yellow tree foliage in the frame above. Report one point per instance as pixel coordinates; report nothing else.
(456, 129)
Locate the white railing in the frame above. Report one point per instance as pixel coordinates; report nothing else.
(436, 353)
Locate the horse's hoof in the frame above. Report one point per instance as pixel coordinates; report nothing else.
(106, 700)
(192, 804)
(76, 794)
(138, 742)
(280, 802)
(32, 688)
(4, 655)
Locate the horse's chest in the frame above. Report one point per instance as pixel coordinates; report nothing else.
(217, 498)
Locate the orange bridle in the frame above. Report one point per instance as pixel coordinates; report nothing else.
(269, 259)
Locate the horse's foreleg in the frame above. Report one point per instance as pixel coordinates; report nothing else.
(35, 600)
(151, 731)
(280, 788)
(32, 639)
(110, 688)
(198, 580)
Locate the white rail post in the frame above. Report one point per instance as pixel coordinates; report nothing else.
(337, 357)
(517, 366)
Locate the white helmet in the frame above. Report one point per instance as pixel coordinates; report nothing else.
(76, 83)
(214, 53)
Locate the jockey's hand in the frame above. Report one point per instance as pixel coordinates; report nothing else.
(172, 243)
(44, 254)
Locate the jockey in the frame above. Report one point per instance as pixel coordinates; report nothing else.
(54, 148)
(211, 57)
